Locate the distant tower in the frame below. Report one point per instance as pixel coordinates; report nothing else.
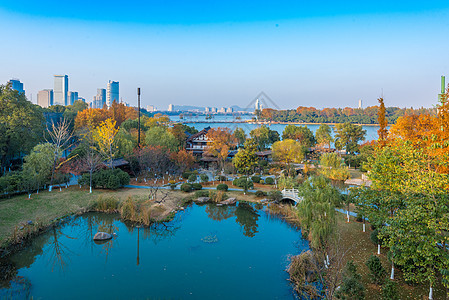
(99, 99)
(112, 92)
(72, 97)
(17, 85)
(258, 105)
(443, 88)
(60, 90)
(360, 104)
(170, 107)
(45, 98)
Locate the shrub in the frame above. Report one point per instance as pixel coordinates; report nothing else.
(274, 195)
(378, 272)
(269, 180)
(192, 178)
(260, 194)
(243, 182)
(197, 186)
(359, 217)
(204, 178)
(186, 187)
(217, 196)
(202, 193)
(186, 175)
(107, 179)
(172, 186)
(221, 178)
(390, 290)
(351, 287)
(222, 187)
(255, 179)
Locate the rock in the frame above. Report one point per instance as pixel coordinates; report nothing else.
(102, 236)
(202, 199)
(229, 201)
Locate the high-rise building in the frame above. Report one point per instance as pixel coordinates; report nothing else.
(258, 105)
(151, 108)
(171, 107)
(229, 110)
(45, 98)
(17, 85)
(360, 103)
(443, 88)
(112, 92)
(100, 99)
(61, 90)
(72, 97)
(207, 109)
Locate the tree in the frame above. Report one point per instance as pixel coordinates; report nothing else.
(104, 136)
(60, 135)
(222, 140)
(324, 135)
(347, 137)
(351, 287)
(264, 137)
(21, 125)
(300, 133)
(183, 159)
(160, 136)
(246, 159)
(383, 123)
(90, 159)
(178, 132)
(38, 164)
(288, 151)
(240, 135)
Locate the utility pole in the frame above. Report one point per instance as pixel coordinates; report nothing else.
(138, 104)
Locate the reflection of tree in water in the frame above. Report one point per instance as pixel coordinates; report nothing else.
(59, 253)
(247, 217)
(17, 288)
(219, 213)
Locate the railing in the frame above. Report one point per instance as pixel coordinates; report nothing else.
(292, 194)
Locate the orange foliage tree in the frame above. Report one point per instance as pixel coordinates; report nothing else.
(183, 159)
(222, 140)
(92, 117)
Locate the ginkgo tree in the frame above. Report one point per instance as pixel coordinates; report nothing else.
(104, 136)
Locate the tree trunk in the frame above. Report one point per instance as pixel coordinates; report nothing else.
(392, 271)
(431, 292)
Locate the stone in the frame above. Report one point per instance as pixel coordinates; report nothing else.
(202, 199)
(102, 236)
(229, 201)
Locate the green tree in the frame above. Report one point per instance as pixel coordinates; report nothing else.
(245, 160)
(288, 151)
(383, 122)
(348, 136)
(21, 125)
(264, 137)
(300, 133)
(351, 287)
(240, 135)
(160, 136)
(324, 135)
(39, 163)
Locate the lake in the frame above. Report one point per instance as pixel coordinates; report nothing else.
(206, 252)
(199, 122)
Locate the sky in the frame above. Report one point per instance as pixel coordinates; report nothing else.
(223, 53)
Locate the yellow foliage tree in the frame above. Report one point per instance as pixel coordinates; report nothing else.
(104, 136)
(222, 140)
(288, 151)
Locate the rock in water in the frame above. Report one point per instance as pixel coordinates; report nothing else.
(102, 236)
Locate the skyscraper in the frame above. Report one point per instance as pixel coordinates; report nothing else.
(60, 90)
(72, 97)
(258, 105)
(45, 98)
(171, 107)
(17, 85)
(99, 99)
(112, 92)
(360, 103)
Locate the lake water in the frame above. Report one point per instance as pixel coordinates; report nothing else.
(207, 252)
(199, 122)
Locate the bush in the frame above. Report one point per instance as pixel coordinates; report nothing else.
(186, 175)
(255, 179)
(375, 237)
(269, 180)
(359, 217)
(260, 194)
(186, 187)
(192, 178)
(243, 182)
(274, 195)
(197, 186)
(113, 182)
(201, 194)
(222, 187)
(378, 272)
(204, 178)
(217, 196)
(351, 287)
(172, 186)
(107, 179)
(390, 290)
(221, 178)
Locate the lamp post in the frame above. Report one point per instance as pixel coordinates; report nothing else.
(138, 105)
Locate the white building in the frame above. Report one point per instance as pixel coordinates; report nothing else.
(112, 93)
(60, 90)
(171, 107)
(45, 98)
(151, 108)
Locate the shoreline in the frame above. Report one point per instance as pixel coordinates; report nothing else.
(267, 123)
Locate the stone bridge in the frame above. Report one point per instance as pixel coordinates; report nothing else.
(291, 194)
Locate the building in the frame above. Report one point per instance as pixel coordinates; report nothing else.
(82, 99)
(229, 110)
(112, 93)
(197, 143)
(222, 110)
(171, 107)
(45, 98)
(207, 109)
(360, 104)
(151, 108)
(72, 97)
(60, 90)
(213, 110)
(100, 99)
(17, 85)
(258, 105)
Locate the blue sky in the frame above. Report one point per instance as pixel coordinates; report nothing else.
(222, 53)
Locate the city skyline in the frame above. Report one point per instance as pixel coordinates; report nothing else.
(207, 53)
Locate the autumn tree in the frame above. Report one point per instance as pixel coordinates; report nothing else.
(161, 136)
(104, 136)
(183, 159)
(288, 151)
(348, 136)
(221, 141)
(240, 135)
(246, 159)
(300, 133)
(383, 123)
(264, 137)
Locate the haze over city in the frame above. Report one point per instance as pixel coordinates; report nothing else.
(225, 53)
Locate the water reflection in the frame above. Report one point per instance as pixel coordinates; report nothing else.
(247, 216)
